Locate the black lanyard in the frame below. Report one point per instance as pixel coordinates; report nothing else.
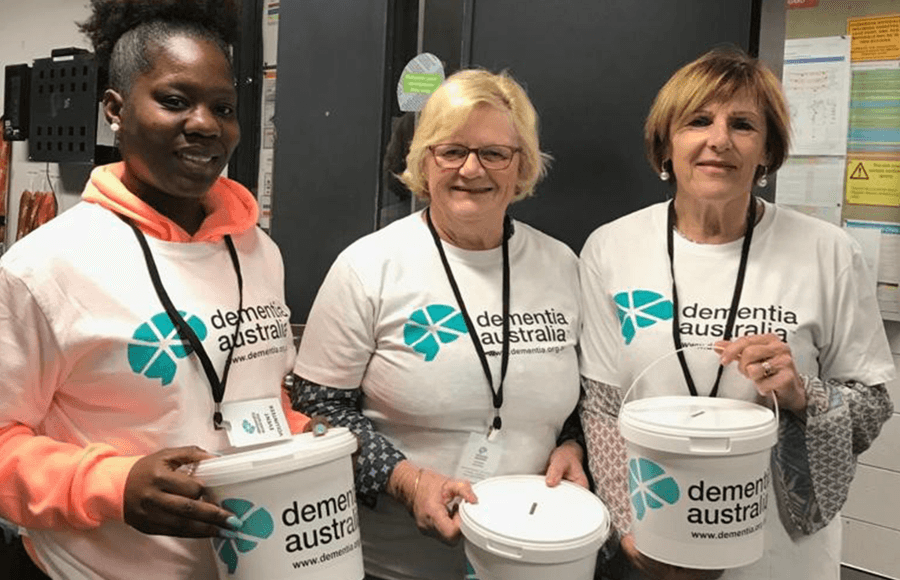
(497, 395)
(735, 298)
(187, 333)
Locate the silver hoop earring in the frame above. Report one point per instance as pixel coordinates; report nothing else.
(114, 126)
(763, 179)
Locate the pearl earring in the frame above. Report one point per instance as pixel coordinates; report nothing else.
(763, 179)
(114, 126)
(664, 174)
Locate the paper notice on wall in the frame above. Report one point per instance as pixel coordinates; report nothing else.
(881, 246)
(874, 38)
(267, 148)
(875, 107)
(814, 182)
(873, 182)
(271, 11)
(817, 88)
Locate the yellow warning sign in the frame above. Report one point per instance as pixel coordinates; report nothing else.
(859, 172)
(874, 38)
(873, 182)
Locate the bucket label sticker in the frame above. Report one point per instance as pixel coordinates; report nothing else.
(650, 487)
(256, 525)
(709, 506)
(318, 534)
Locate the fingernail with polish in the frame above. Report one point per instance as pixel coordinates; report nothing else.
(233, 522)
(227, 534)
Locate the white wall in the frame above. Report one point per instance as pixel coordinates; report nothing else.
(872, 513)
(30, 30)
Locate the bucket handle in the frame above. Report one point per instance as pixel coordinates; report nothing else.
(674, 352)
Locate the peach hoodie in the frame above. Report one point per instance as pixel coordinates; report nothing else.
(50, 484)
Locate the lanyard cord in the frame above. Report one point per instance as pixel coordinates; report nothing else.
(735, 298)
(187, 333)
(496, 395)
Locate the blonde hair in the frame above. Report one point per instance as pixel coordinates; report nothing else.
(718, 76)
(449, 107)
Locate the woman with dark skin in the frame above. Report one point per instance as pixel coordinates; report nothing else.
(103, 405)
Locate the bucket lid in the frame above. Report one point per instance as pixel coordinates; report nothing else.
(298, 452)
(698, 425)
(518, 516)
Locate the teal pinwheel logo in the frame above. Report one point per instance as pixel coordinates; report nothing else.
(156, 345)
(640, 309)
(256, 525)
(248, 426)
(430, 327)
(649, 486)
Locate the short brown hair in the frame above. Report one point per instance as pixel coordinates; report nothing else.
(717, 76)
(449, 107)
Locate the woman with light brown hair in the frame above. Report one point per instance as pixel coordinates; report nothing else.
(785, 299)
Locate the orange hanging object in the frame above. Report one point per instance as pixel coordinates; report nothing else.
(25, 202)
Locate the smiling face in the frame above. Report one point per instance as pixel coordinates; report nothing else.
(178, 122)
(472, 197)
(716, 151)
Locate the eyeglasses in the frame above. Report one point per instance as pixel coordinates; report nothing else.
(454, 156)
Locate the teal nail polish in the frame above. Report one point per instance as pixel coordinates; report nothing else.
(233, 522)
(228, 534)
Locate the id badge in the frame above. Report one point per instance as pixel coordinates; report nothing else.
(255, 421)
(480, 457)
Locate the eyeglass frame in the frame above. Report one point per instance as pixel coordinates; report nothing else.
(477, 151)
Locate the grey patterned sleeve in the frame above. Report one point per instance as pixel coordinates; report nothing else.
(605, 447)
(815, 459)
(377, 456)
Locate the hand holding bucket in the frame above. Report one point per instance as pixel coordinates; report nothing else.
(698, 477)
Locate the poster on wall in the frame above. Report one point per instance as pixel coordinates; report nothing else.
(267, 149)
(270, 33)
(817, 86)
(881, 244)
(875, 37)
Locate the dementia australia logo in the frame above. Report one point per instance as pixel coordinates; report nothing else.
(640, 309)
(649, 486)
(256, 525)
(156, 345)
(430, 327)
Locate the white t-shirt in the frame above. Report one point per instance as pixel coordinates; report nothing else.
(90, 361)
(386, 320)
(806, 281)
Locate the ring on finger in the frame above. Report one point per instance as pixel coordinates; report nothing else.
(768, 371)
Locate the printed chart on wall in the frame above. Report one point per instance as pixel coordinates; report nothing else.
(267, 148)
(881, 244)
(271, 10)
(817, 85)
(873, 164)
(873, 149)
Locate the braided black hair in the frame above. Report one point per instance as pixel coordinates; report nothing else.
(124, 33)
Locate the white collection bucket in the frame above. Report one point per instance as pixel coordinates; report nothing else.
(698, 471)
(297, 503)
(520, 529)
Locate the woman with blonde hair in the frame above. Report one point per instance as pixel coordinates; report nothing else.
(446, 341)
